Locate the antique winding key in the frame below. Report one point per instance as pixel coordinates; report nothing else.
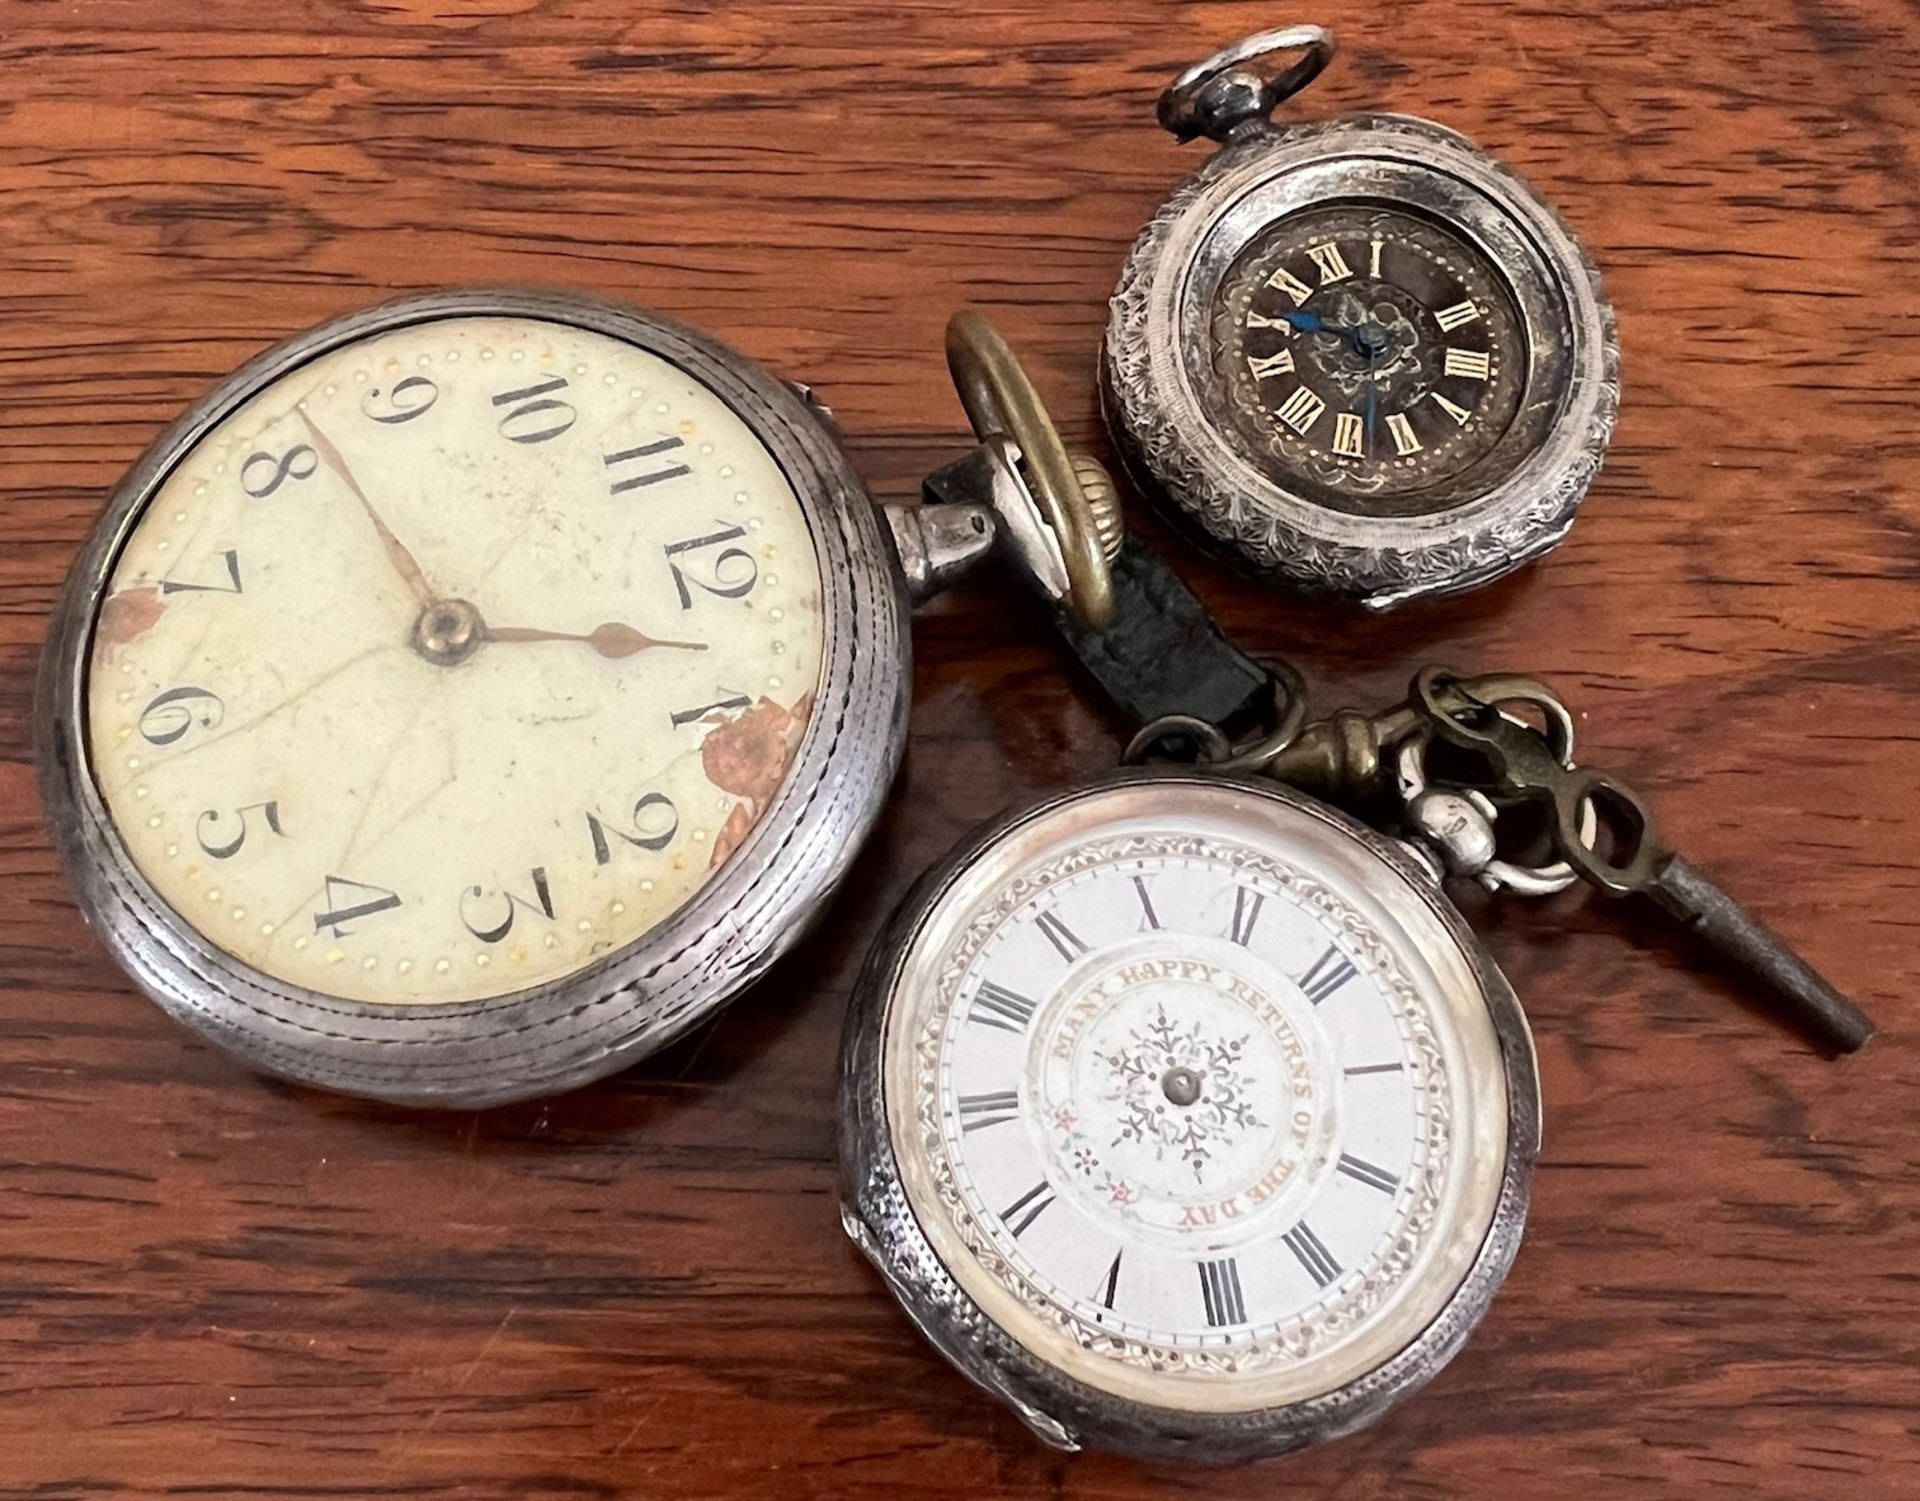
(1601, 831)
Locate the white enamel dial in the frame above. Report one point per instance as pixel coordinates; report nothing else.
(455, 659)
(1198, 1103)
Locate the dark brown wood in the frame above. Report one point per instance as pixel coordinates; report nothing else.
(213, 1285)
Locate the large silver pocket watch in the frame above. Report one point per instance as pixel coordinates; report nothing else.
(1357, 355)
(473, 693)
(1187, 1116)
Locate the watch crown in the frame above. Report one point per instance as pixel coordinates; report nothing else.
(1103, 500)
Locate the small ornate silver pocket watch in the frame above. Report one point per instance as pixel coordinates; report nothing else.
(1357, 355)
(473, 693)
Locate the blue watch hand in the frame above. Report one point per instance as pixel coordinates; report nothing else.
(1313, 323)
(1373, 393)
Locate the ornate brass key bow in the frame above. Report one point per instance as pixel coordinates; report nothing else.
(1599, 826)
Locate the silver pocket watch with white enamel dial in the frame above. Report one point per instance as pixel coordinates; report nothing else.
(1186, 1115)
(1358, 355)
(473, 693)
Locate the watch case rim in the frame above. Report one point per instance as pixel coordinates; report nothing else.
(1166, 440)
(1063, 1412)
(619, 1008)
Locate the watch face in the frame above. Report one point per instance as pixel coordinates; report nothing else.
(453, 660)
(1195, 1097)
(1375, 361)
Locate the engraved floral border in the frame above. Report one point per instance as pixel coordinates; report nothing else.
(1290, 1343)
(1155, 430)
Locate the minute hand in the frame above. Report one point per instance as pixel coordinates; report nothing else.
(397, 554)
(1313, 323)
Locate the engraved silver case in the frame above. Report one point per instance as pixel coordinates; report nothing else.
(1061, 1410)
(619, 1008)
(1158, 351)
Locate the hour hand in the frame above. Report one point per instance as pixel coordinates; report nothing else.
(612, 639)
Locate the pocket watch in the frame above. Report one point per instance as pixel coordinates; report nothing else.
(473, 693)
(1358, 356)
(1185, 1114)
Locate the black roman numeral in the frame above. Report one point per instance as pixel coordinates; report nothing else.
(1367, 1173)
(1246, 912)
(1375, 1068)
(978, 1111)
(1060, 935)
(1029, 1207)
(1314, 1256)
(650, 474)
(1329, 972)
(996, 1006)
(1220, 1292)
(1150, 918)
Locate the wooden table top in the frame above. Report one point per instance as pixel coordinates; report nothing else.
(216, 1285)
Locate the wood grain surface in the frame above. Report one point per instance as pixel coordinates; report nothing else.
(214, 1285)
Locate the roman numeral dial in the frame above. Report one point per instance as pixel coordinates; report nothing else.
(1178, 1094)
(1377, 359)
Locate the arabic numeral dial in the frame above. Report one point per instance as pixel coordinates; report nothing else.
(456, 659)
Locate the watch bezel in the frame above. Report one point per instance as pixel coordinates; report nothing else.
(1062, 1410)
(1158, 320)
(626, 1004)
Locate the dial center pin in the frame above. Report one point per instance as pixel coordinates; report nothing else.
(448, 632)
(1181, 1086)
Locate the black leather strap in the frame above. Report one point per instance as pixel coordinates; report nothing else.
(1162, 654)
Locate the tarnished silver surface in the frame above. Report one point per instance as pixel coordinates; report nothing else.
(1459, 829)
(1067, 1413)
(618, 1009)
(1159, 392)
(937, 544)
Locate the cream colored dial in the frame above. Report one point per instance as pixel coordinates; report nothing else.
(454, 660)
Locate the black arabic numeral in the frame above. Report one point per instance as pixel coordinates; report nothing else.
(230, 558)
(541, 901)
(173, 713)
(648, 832)
(693, 716)
(269, 811)
(728, 581)
(353, 900)
(534, 414)
(666, 469)
(411, 396)
(297, 463)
